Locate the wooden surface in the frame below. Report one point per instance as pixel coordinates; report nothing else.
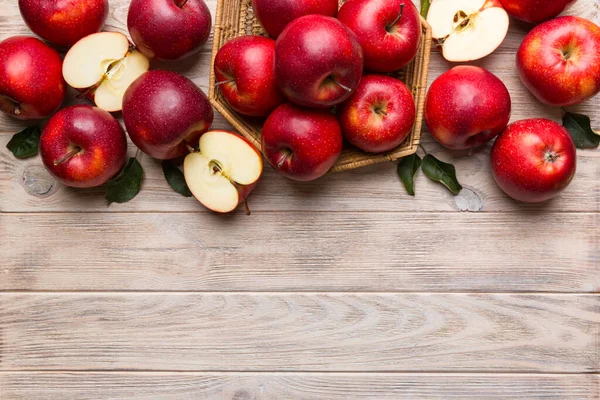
(344, 288)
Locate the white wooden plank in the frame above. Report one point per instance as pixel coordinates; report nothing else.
(335, 386)
(301, 251)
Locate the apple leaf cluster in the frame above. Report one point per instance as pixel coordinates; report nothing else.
(434, 169)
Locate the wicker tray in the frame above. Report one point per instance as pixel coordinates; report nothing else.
(236, 18)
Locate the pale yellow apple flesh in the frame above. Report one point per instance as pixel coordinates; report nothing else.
(219, 171)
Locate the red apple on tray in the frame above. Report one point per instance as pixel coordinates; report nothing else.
(224, 170)
(274, 15)
(388, 31)
(83, 146)
(301, 144)
(169, 29)
(165, 113)
(244, 70)
(379, 115)
(318, 61)
(64, 22)
(467, 30)
(466, 107)
(535, 11)
(103, 65)
(559, 61)
(534, 160)
(31, 82)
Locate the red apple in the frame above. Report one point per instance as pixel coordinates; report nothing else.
(301, 144)
(379, 116)
(274, 15)
(169, 29)
(83, 146)
(31, 82)
(535, 11)
(244, 69)
(559, 61)
(466, 107)
(64, 22)
(164, 113)
(534, 160)
(388, 31)
(318, 61)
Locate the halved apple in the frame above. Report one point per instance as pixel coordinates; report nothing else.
(224, 171)
(467, 30)
(103, 65)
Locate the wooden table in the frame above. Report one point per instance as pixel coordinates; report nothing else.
(345, 288)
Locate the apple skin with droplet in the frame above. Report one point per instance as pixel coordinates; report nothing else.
(101, 141)
(559, 61)
(169, 29)
(388, 31)
(64, 22)
(164, 113)
(535, 11)
(466, 107)
(301, 144)
(244, 71)
(534, 160)
(31, 82)
(274, 15)
(318, 61)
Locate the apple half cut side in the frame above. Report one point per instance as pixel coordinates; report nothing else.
(467, 30)
(224, 171)
(103, 65)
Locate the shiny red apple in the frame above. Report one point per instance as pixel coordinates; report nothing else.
(466, 107)
(301, 144)
(165, 113)
(274, 15)
(83, 146)
(535, 11)
(388, 31)
(379, 115)
(31, 81)
(534, 160)
(169, 29)
(244, 71)
(318, 61)
(559, 61)
(64, 22)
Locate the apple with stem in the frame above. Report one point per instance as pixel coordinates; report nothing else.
(274, 15)
(466, 107)
(83, 146)
(301, 144)
(224, 170)
(165, 113)
(64, 22)
(534, 160)
(559, 61)
(318, 61)
(102, 66)
(467, 30)
(31, 82)
(169, 29)
(379, 115)
(388, 31)
(244, 70)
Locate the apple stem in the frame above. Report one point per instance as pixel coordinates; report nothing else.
(285, 155)
(223, 82)
(68, 156)
(346, 88)
(190, 148)
(397, 18)
(183, 3)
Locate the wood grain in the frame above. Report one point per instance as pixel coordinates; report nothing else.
(335, 386)
(301, 332)
(301, 251)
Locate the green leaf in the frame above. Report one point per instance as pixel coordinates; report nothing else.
(175, 178)
(441, 172)
(407, 168)
(580, 128)
(127, 184)
(25, 143)
(425, 8)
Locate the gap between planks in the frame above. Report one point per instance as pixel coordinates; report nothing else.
(230, 372)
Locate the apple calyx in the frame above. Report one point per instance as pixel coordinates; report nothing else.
(76, 150)
(393, 24)
(551, 156)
